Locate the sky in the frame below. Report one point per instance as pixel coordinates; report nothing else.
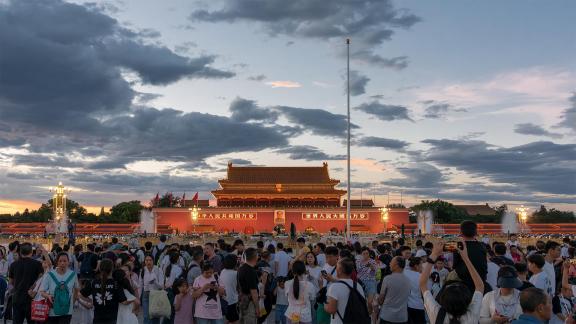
(470, 102)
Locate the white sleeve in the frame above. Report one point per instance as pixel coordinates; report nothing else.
(475, 305)
(485, 316)
(431, 306)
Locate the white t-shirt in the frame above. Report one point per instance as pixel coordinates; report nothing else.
(542, 281)
(315, 274)
(492, 275)
(228, 279)
(321, 259)
(549, 269)
(472, 316)
(175, 272)
(341, 292)
(331, 270)
(515, 243)
(49, 285)
(282, 259)
(509, 304)
(415, 298)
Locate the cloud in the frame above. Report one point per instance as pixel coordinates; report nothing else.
(259, 77)
(369, 23)
(536, 130)
(542, 167)
(308, 153)
(568, 117)
(284, 84)
(87, 52)
(387, 143)
(436, 110)
(385, 112)
(358, 83)
(244, 110)
(418, 176)
(317, 121)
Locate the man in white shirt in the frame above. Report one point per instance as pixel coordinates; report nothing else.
(492, 274)
(281, 261)
(552, 249)
(539, 277)
(513, 240)
(338, 292)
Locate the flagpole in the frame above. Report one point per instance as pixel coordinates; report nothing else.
(348, 202)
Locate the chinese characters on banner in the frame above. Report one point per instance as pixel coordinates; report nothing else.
(334, 216)
(228, 216)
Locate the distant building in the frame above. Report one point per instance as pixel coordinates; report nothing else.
(258, 199)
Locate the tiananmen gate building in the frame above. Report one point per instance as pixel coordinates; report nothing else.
(257, 199)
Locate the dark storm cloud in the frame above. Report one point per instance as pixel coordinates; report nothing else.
(358, 83)
(387, 143)
(368, 22)
(569, 115)
(158, 65)
(539, 166)
(150, 133)
(308, 153)
(244, 110)
(533, 129)
(385, 112)
(316, 121)
(419, 176)
(61, 65)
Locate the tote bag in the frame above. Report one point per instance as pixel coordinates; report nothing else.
(159, 304)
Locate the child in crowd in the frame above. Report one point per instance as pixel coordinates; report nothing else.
(182, 302)
(85, 306)
(281, 301)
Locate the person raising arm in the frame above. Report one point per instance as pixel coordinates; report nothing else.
(457, 302)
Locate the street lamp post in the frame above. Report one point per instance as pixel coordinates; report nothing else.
(348, 202)
(194, 211)
(384, 215)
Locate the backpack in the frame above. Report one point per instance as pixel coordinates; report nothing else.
(184, 274)
(356, 309)
(62, 295)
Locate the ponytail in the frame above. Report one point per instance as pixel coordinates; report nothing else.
(168, 270)
(296, 287)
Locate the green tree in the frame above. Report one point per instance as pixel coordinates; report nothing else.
(126, 212)
(444, 212)
(544, 216)
(395, 206)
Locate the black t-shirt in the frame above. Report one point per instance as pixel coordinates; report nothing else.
(91, 258)
(24, 272)
(477, 254)
(105, 299)
(247, 278)
(525, 284)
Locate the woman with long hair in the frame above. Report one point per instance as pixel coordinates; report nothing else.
(126, 309)
(105, 293)
(455, 304)
(300, 292)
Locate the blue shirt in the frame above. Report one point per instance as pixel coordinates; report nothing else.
(527, 319)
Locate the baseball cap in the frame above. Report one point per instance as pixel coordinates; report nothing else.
(421, 253)
(508, 278)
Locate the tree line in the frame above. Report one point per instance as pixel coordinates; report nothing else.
(447, 213)
(124, 212)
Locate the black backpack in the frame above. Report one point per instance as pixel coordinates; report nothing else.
(356, 309)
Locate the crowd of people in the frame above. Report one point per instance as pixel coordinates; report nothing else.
(469, 281)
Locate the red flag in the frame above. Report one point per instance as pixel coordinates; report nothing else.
(183, 201)
(195, 199)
